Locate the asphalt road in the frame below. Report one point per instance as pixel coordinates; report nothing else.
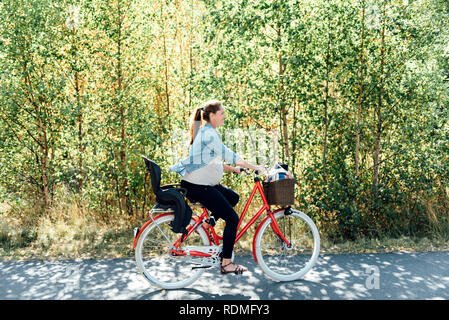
(334, 277)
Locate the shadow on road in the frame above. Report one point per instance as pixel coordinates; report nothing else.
(335, 277)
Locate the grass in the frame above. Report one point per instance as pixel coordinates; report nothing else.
(66, 232)
(402, 244)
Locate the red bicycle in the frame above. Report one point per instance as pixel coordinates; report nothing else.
(286, 244)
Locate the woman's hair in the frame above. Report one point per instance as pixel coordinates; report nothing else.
(200, 114)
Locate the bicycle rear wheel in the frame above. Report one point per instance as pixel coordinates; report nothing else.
(280, 262)
(154, 260)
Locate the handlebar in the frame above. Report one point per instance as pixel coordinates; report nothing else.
(256, 172)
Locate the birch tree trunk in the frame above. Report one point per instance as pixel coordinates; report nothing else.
(360, 99)
(124, 183)
(326, 106)
(285, 149)
(379, 106)
(42, 156)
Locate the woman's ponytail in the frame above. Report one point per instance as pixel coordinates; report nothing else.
(195, 123)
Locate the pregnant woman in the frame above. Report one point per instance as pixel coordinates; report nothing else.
(203, 170)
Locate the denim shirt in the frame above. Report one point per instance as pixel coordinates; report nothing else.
(206, 146)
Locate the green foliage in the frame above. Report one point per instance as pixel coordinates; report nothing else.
(86, 87)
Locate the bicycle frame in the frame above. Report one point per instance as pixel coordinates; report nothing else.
(213, 237)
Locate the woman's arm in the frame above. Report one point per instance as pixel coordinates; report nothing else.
(230, 169)
(242, 163)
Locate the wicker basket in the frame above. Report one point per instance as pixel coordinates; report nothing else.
(280, 192)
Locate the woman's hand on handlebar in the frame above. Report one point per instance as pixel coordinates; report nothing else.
(238, 170)
(257, 169)
(242, 163)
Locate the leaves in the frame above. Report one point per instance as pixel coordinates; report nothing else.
(86, 87)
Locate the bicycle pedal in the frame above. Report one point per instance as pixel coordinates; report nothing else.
(202, 267)
(211, 221)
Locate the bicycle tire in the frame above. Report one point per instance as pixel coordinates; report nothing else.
(156, 264)
(287, 264)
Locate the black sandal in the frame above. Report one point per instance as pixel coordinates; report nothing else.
(238, 269)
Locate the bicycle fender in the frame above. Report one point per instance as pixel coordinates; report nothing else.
(258, 229)
(146, 225)
(150, 221)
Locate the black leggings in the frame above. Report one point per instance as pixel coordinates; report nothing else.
(220, 201)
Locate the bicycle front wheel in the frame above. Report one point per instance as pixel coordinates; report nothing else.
(276, 259)
(154, 260)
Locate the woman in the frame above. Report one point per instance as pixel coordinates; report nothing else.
(203, 170)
